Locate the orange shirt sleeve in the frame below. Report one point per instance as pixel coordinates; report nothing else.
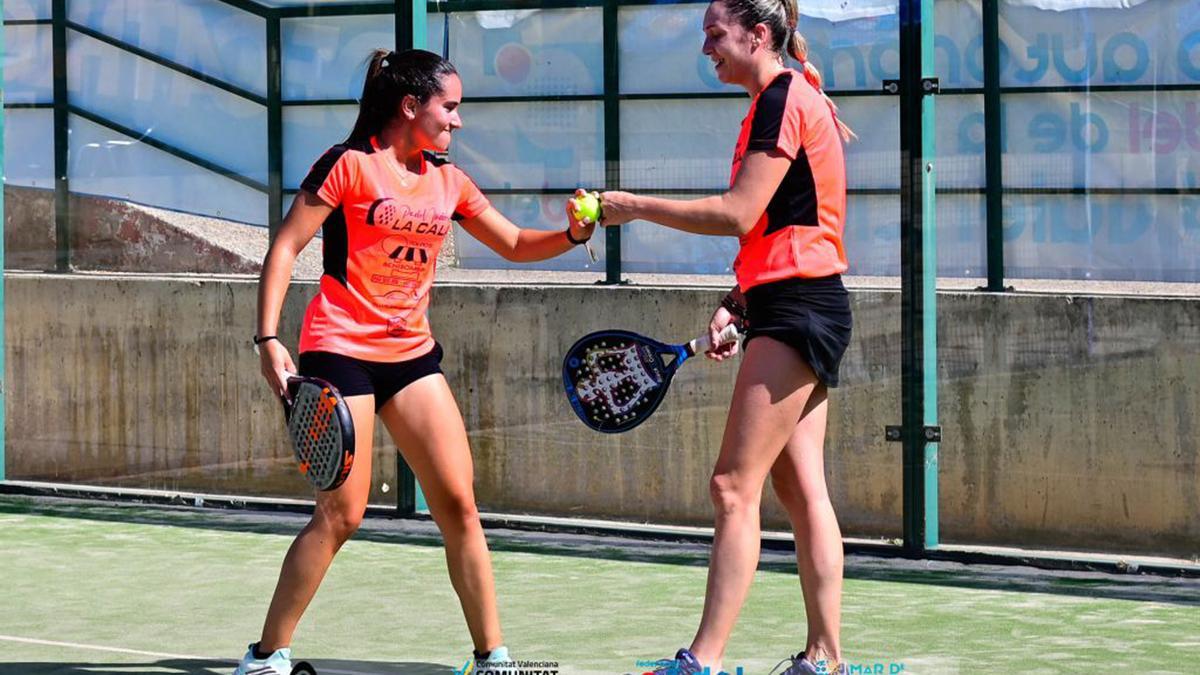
(778, 123)
(332, 176)
(471, 200)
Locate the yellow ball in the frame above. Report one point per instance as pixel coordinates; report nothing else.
(587, 208)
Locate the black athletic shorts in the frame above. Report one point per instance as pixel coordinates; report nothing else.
(355, 377)
(810, 315)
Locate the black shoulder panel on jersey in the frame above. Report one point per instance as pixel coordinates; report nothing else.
(320, 170)
(768, 114)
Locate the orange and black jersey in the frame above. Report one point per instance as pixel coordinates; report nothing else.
(380, 250)
(800, 233)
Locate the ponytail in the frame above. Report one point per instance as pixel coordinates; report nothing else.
(797, 48)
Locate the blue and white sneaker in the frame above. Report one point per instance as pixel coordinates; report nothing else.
(278, 663)
(684, 663)
(498, 661)
(800, 665)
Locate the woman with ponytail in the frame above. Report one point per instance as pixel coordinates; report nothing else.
(786, 204)
(385, 199)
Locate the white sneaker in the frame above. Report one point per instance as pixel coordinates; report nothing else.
(278, 663)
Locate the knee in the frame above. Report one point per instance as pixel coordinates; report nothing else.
(457, 514)
(800, 499)
(731, 497)
(340, 524)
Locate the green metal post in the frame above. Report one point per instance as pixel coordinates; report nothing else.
(3, 347)
(62, 189)
(612, 136)
(918, 263)
(412, 30)
(274, 124)
(993, 145)
(929, 361)
(411, 33)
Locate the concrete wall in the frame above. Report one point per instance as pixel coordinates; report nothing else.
(1068, 422)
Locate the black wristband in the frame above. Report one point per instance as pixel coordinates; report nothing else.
(733, 306)
(259, 340)
(573, 240)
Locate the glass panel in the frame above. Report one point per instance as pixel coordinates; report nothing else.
(958, 45)
(28, 189)
(168, 106)
(106, 163)
(326, 57)
(28, 71)
(1076, 163)
(660, 51)
(961, 229)
(205, 35)
(1111, 140)
(527, 52)
(960, 141)
(872, 235)
(531, 145)
(673, 144)
(1100, 138)
(24, 10)
(651, 248)
(308, 131)
(29, 148)
(1116, 237)
(872, 160)
(857, 53)
(541, 212)
(1147, 43)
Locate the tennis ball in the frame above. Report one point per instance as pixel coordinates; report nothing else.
(587, 208)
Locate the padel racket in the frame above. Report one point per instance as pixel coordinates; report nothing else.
(321, 429)
(615, 379)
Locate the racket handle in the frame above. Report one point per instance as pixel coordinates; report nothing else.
(287, 376)
(702, 344)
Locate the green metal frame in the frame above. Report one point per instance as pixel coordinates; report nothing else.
(612, 137)
(62, 202)
(3, 345)
(274, 103)
(918, 265)
(993, 145)
(411, 33)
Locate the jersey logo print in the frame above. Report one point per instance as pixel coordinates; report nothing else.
(409, 253)
(382, 212)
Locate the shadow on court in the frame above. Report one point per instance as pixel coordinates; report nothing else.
(422, 532)
(207, 667)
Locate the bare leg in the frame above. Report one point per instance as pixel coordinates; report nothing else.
(425, 422)
(337, 516)
(773, 386)
(798, 477)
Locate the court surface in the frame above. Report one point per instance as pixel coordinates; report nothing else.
(105, 587)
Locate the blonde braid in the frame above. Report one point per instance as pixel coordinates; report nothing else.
(797, 48)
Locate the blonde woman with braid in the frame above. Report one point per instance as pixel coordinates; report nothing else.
(786, 204)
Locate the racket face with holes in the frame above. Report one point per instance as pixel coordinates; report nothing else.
(616, 379)
(321, 430)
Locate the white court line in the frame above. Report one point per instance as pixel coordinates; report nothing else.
(100, 648)
(139, 652)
